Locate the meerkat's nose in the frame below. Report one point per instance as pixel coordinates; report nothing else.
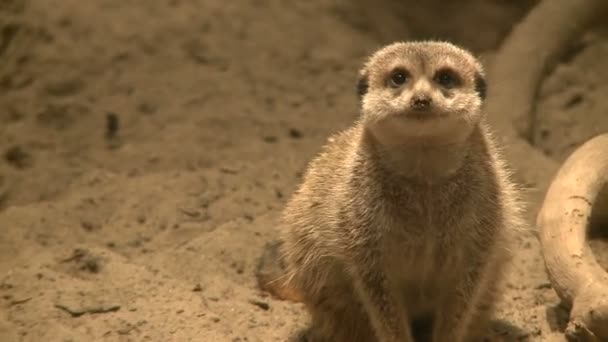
(421, 102)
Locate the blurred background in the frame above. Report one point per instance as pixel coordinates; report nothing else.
(146, 148)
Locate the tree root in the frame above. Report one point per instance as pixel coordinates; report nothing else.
(533, 47)
(573, 270)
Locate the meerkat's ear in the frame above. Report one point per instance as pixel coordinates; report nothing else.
(480, 85)
(362, 84)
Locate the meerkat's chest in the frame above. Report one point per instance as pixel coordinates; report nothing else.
(423, 256)
(429, 250)
(423, 269)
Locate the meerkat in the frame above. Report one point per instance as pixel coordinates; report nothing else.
(400, 229)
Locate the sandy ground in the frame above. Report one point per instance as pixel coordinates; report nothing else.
(148, 146)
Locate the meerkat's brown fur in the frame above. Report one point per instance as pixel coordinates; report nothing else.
(407, 216)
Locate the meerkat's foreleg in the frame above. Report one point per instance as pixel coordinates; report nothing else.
(465, 316)
(452, 321)
(338, 316)
(489, 291)
(389, 320)
(390, 323)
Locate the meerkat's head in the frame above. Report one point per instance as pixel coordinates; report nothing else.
(427, 90)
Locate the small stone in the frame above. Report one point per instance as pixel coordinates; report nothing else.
(260, 304)
(295, 133)
(270, 139)
(112, 125)
(64, 87)
(88, 225)
(543, 286)
(18, 157)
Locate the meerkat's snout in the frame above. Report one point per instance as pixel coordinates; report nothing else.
(420, 96)
(421, 102)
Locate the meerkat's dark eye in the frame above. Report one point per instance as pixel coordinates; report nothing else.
(447, 78)
(398, 77)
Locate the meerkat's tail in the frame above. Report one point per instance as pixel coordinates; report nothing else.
(271, 274)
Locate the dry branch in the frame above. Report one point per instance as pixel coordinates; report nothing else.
(573, 270)
(531, 49)
(534, 46)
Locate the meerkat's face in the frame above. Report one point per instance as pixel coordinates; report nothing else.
(422, 89)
